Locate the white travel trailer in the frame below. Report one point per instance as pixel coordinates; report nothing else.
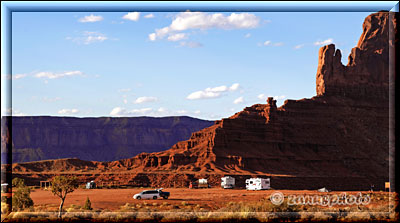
(203, 183)
(228, 182)
(258, 184)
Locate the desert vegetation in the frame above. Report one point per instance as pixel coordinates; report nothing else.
(261, 210)
(21, 198)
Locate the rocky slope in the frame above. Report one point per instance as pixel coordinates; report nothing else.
(101, 139)
(338, 139)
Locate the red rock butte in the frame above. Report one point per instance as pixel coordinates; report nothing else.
(338, 139)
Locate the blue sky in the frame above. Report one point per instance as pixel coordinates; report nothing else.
(201, 64)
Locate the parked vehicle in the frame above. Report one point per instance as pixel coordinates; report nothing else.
(151, 194)
(201, 183)
(258, 184)
(163, 194)
(227, 182)
(90, 185)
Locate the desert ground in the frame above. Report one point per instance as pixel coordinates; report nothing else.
(202, 205)
(211, 199)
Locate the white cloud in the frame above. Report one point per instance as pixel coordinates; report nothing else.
(248, 35)
(177, 37)
(133, 16)
(202, 21)
(149, 16)
(269, 43)
(264, 97)
(181, 112)
(18, 76)
(91, 18)
(190, 44)
(152, 36)
(234, 87)
(212, 92)
(50, 100)
(52, 75)
(238, 100)
(161, 110)
(124, 90)
(66, 111)
(13, 112)
(49, 75)
(88, 37)
(119, 111)
(299, 46)
(91, 37)
(145, 99)
(325, 42)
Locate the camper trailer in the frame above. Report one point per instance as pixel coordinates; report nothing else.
(201, 183)
(90, 185)
(258, 184)
(227, 182)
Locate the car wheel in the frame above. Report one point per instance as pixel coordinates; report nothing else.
(138, 197)
(166, 197)
(155, 197)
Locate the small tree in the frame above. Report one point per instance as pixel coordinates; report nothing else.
(18, 182)
(21, 198)
(61, 186)
(88, 204)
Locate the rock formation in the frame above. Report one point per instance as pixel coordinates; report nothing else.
(338, 139)
(367, 72)
(101, 139)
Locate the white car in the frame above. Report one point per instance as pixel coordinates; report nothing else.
(147, 194)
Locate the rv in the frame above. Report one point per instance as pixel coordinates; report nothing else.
(227, 182)
(258, 184)
(201, 183)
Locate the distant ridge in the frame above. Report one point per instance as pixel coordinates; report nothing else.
(99, 139)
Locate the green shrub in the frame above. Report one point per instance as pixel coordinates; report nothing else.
(4, 208)
(18, 182)
(88, 204)
(22, 196)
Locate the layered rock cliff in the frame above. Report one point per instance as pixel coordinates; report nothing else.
(343, 131)
(338, 139)
(101, 139)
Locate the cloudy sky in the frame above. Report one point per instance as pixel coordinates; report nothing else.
(205, 65)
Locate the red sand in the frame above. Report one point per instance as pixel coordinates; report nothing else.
(212, 199)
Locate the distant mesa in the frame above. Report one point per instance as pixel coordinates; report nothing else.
(99, 139)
